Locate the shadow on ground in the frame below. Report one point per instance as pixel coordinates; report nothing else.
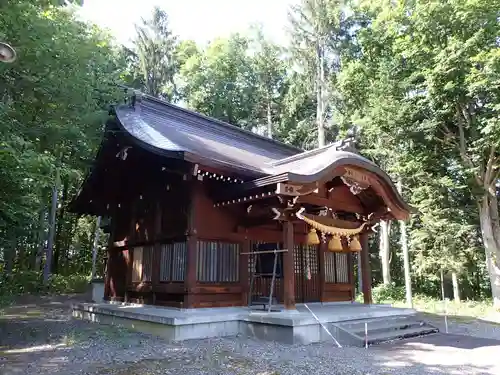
(441, 353)
(40, 338)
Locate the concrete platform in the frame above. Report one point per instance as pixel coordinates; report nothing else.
(295, 326)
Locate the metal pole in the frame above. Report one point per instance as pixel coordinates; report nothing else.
(322, 325)
(272, 281)
(366, 335)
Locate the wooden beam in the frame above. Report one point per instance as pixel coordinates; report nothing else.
(366, 269)
(337, 204)
(343, 194)
(249, 198)
(251, 222)
(288, 267)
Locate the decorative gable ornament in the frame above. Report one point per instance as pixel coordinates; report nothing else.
(356, 181)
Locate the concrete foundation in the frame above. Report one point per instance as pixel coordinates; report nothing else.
(97, 287)
(296, 326)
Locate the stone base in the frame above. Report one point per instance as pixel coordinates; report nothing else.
(289, 327)
(97, 287)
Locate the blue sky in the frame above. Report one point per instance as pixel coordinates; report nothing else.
(200, 20)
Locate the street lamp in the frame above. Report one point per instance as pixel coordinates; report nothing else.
(7, 53)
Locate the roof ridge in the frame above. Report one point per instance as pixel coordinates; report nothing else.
(210, 128)
(344, 145)
(291, 158)
(214, 121)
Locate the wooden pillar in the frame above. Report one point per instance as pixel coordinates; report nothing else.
(322, 248)
(191, 246)
(288, 267)
(244, 277)
(107, 276)
(109, 267)
(131, 239)
(350, 267)
(366, 269)
(156, 258)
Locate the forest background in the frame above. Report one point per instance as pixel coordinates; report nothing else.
(417, 81)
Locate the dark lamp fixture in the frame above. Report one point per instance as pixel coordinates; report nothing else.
(7, 53)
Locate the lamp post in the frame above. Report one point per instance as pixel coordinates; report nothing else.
(7, 53)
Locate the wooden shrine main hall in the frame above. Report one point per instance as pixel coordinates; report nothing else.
(193, 203)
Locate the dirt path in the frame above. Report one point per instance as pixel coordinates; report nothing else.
(39, 337)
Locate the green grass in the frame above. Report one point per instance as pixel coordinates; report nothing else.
(473, 309)
(429, 305)
(395, 295)
(5, 301)
(21, 283)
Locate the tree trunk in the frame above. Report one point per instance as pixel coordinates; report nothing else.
(21, 253)
(10, 253)
(269, 118)
(406, 255)
(441, 278)
(488, 207)
(320, 95)
(94, 246)
(488, 210)
(59, 241)
(70, 232)
(385, 251)
(52, 230)
(40, 240)
(456, 287)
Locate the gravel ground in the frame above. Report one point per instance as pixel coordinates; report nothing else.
(475, 328)
(40, 338)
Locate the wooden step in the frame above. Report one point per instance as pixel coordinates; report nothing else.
(399, 334)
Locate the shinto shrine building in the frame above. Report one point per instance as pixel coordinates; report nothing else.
(196, 208)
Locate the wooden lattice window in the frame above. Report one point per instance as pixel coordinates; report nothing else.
(173, 262)
(342, 268)
(218, 262)
(336, 267)
(142, 265)
(144, 220)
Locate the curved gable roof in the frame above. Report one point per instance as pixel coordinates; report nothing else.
(168, 128)
(173, 131)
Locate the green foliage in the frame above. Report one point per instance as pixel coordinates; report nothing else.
(53, 100)
(154, 56)
(30, 282)
(419, 79)
(463, 309)
(387, 293)
(413, 89)
(220, 81)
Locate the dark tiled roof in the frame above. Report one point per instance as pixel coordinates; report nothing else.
(168, 128)
(173, 131)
